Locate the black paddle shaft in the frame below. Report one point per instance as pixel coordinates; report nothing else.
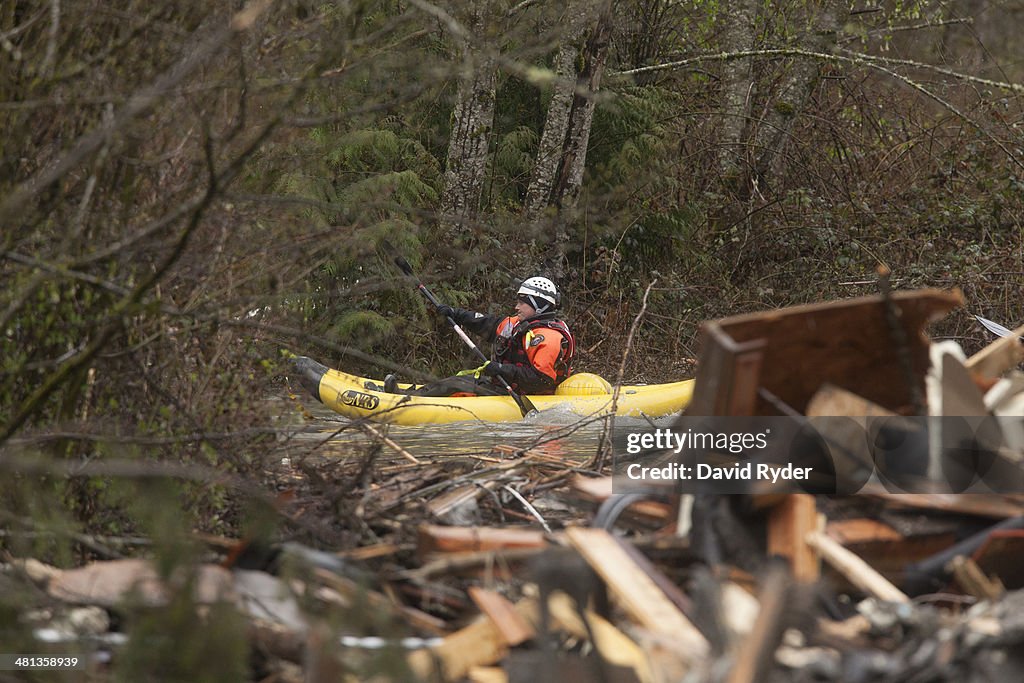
(525, 406)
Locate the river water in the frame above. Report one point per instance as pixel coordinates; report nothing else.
(558, 432)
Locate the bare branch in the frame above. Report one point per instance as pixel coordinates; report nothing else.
(448, 21)
(137, 105)
(868, 61)
(854, 58)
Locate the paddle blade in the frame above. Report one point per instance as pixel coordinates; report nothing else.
(994, 328)
(525, 405)
(403, 265)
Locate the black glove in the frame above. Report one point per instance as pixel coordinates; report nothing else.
(503, 370)
(446, 311)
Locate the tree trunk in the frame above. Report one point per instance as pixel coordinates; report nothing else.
(737, 83)
(556, 124)
(772, 131)
(574, 156)
(472, 121)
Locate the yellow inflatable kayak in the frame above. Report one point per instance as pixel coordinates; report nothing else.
(583, 394)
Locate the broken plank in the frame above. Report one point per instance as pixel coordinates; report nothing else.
(487, 674)
(432, 538)
(638, 593)
(510, 624)
(857, 531)
(789, 522)
(856, 570)
(999, 356)
(844, 343)
(450, 499)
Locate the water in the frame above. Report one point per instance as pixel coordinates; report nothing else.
(556, 433)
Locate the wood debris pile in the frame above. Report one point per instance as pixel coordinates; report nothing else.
(520, 566)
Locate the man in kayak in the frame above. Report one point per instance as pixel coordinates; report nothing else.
(532, 350)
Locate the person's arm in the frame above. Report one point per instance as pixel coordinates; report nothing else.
(477, 323)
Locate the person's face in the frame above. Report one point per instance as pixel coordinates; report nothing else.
(523, 308)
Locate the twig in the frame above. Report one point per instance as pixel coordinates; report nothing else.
(447, 20)
(52, 34)
(854, 58)
(140, 103)
(389, 443)
(861, 60)
(529, 508)
(609, 424)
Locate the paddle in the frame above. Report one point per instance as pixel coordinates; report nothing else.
(524, 403)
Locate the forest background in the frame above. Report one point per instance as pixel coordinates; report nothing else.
(187, 188)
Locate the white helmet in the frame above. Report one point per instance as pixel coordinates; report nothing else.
(541, 293)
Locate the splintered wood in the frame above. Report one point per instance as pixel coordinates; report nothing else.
(855, 569)
(638, 593)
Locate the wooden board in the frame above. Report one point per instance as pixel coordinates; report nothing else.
(637, 592)
(856, 570)
(856, 531)
(615, 647)
(999, 356)
(433, 538)
(510, 624)
(789, 522)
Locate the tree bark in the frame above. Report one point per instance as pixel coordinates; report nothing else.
(737, 84)
(772, 131)
(581, 116)
(556, 124)
(472, 121)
